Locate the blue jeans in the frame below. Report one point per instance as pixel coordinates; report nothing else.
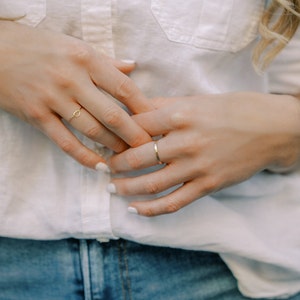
(119, 270)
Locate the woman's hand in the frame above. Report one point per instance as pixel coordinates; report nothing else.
(46, 77)
(208, 142)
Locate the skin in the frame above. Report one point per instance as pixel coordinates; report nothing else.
(209, 142)
(70, 75)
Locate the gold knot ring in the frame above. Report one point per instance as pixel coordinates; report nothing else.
(156, 153)
(76, 114)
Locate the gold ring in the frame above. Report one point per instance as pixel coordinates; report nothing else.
(156, 153)
(76, 114)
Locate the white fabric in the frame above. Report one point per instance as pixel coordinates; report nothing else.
(181, 48)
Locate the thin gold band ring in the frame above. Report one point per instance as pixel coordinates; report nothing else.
(156, 153)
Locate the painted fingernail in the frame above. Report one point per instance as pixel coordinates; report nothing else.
(132, 210)
(128, 61)
(102, 167)
(111, 188)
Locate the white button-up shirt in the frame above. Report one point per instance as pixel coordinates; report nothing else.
(181, 48)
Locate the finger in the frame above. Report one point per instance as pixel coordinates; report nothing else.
(156, 122)
(84, 122)
(152, 183)
(112, 116)
(160, 102)
(125, 66)
(162, 120)
(170, 203)
(143, 156)
(65, 140)
(117, 84)
(133, 159)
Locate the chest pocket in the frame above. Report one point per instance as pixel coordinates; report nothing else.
(29, 12)
(222, 25)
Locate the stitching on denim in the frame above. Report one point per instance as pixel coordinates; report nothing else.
(123, 268)
(120, 269)
(127, 271)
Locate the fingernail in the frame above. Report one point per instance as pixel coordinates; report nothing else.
(132, 210)
(128, 61)
(111, 188)
(102, 167)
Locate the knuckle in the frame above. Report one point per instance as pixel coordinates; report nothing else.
(152, 187)
(125, 89)
(112, 117)
(210, 185)
(63, 79)
(80, 53)
(171, 206)
(62, 76)
(178, 120)
(85, 159)
(66, 145)
(133, 159)
(119, 145)
(190, 145)
(125, 188)
(36, 115)
(48, 98)
(93, 131)
(138, 139)
(149, 212)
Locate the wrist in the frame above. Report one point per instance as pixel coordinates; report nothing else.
(287, 148)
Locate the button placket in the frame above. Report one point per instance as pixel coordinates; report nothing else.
(96, 22)
(96, 19)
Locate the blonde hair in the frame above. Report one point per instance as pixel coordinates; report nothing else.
(278, 25)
